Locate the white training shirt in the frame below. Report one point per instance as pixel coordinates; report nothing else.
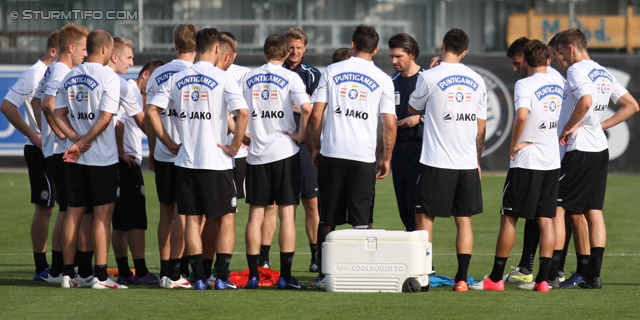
(357, 93)
(49, 85)
(202, 95)
(23, 91)
(541, 94)
(270, 92)
(133, 135)
(557, 76)
(453, 97)
(86, 91)
(237, 72)
(589, 78)
(159, 78)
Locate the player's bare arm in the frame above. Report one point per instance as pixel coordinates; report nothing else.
(389, 131)
(582, 107)
(47, 106)
(316, 129)
(518, 128)
(153, 120)
(62, 122)
(482, 132)
(81, 145)
(629, 106)
(414, 111)
(15, 118)
(151, 139)
(305, 116)
(128, 158)
(242, 121)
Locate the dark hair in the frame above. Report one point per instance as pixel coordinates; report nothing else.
(96, 40)
(276, 47)
(150, 66)
(296, 33)
(52, 40)
(206, 39)
(553, 43)
(341, 55)
(573, 37)
(365, 38)
(405, 42)
(517, 47)
(184, 36)
(228, 34)
(536, 53)
(455, 41)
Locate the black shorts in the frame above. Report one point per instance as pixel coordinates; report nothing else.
(345, 191)
(448, 192)
(240, 171)
(309, 175)
(92, 185)
(208, 192)
(530, 194)
(277, 181)
(165, 181)
(40, 183)
(130, 212)
(583, 180)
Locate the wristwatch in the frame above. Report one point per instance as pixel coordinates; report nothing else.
(422, 119)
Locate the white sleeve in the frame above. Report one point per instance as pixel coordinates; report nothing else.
(232, 94)
(22, 89)
(522, 96)
(481, 108)
(298, 91)
(387, 99)
(128, 98)
(617, 90)
(420, 95)
(321, 94)
(110, 101)
(579, 83)
(162, 95)
(61, 99)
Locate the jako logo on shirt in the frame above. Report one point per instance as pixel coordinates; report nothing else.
(337, 111)
(466, 117)
(254, 114)
(356, 77)
(356, 114)
(272, 114)
(447, 117)
(85, 116)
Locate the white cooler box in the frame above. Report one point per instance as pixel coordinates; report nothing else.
(376, 260)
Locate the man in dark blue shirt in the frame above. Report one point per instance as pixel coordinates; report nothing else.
(403, 50)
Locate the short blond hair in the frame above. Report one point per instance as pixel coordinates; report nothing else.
(119, 43)
(227, 44)
(184, 36)
(70, 34)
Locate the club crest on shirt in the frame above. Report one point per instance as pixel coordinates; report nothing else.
(397, 98)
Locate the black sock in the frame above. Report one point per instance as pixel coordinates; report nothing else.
(100, 272)
(164, 268)
(196, 265)
(595, 266)
(123, 267)
(85, 263)
(286, 260)
(529, 244)
(463, 266)
(207, 264)
(323, 231)
(314, 251)
(57, 263)
(543, 271)
(264, 253)
(252, 262)
(141, 267)
(499, 264)
(583, 264)
(565, 249)
(173, 272)
(555, 265)
(68, 270)
(184, 266)
(76, 262)
(40, 259)
(224, 260)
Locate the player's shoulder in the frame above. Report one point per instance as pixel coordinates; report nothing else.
(309, 69)
(37, 68)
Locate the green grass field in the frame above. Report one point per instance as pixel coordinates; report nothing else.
(23, 298)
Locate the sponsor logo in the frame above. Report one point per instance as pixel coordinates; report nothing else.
(353, 94)
(254, 114)
(267, 78)
(44, 195)
(466, 117)
(199, 115)
(552, 106)
(370, 267)
(80, 96)
(500, 110)
(264, 94)
(457, 80)
(234, 202)
(142, 191)
(85, 116)
(195, 96)
(337, 111)
(600, 108)
(356, 114)
(81, 80)
(553, 125)
(542, 126)
(272, 114)
(118, 192)
(599, 73)
(447, 117)
(459, 97)
(183, 115)
(196, 79)
(162, 78)
(356, 77)
(549, 90)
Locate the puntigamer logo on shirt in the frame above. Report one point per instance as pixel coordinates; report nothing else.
(196, 79)
(267, 78)
(457, 80)
(81, 80)
(164, 77)
(356, 77)
(599, 73)
(548, 90)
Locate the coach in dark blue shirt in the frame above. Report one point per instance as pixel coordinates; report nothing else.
(403, 50)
